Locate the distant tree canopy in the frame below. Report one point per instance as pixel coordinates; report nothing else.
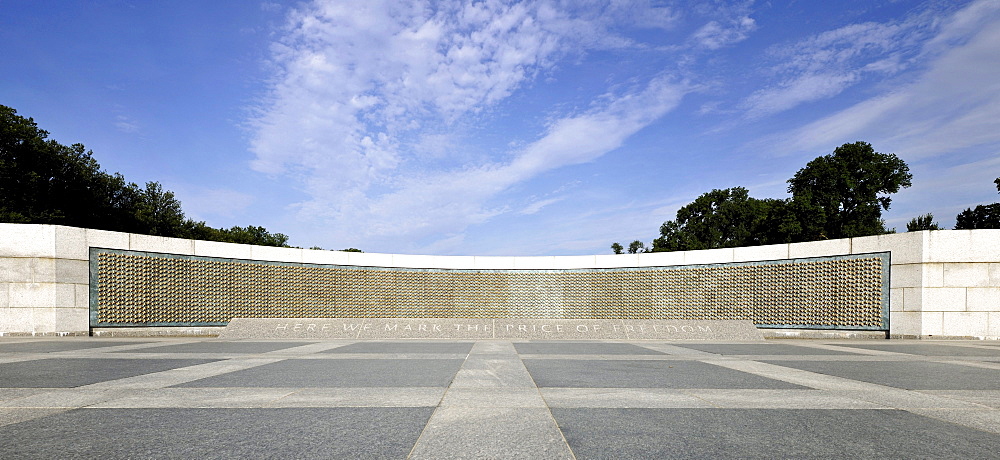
(924, 222)
(982, 216)
(840, 195)
(45, 182)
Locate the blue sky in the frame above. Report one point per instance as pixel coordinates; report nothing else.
(504, 128)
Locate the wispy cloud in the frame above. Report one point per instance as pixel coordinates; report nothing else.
(715, 34)
(372, 102)
(824, 65)
(953, 104)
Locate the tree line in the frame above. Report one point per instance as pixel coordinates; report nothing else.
(840, 195)
(45, 182)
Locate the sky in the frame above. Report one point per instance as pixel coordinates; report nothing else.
(500, 127)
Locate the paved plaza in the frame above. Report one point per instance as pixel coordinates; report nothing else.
(211, 398)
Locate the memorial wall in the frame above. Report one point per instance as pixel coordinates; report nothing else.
(64, 280)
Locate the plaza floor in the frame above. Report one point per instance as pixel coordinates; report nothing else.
(210, 398)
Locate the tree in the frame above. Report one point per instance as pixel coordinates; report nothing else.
(843, 194)
(637, 247)
(983, 216)
(924, 222)
(617, 248)
(45, 182)
(717, 219)
(839, 195)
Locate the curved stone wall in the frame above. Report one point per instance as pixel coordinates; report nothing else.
(942, 283)
(131, 288)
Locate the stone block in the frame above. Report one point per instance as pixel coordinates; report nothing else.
(27, 240)
(943, 299)
(71, 243)
(223, 250)
(315, 256)
(626, 260)
(931, 323)
(73, 320)
(906, 276)
(966, 275)
(993, 325)
(106, 239)
(760, 253)
(906, 248)
(708, 256)
(32, 295)
(932, 275)
(16, 320)
(369, 259)
(573, 262)
(413, 261)
(71, 271)
(661, 259)
(905, 323)
(494, 262)
(896, 299)
(994, 274)
(276, 254)
(912, 299)
(149, 243)
(964, 246)
(27, 270)
(534, 263)
(824, 248)
(454, 262)
(81, 296)
(4, 295)
(43, 320)
(983, 299)
(963, 324)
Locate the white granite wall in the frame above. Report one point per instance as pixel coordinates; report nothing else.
(943, 283)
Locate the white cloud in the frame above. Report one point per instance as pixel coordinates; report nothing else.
(824, 65)
(715, 35)
(372, 100)
(536, 206)
(126, 124)
(954, 104)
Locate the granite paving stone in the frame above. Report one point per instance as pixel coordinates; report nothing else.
(498, 398)
(340, 373)
(65, 372)
(760, 349)
(767, 433)
(910, 375)
(53, 346)
(929, 349)
(642, 374)
(339, 432)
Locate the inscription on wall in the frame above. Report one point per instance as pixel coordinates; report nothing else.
(131, 288)
(502, 328)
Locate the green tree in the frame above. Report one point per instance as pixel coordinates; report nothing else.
(924, 222)
(45, 182)
(839, 195)
(843, 194)
(617, 248)
(982, 216)
(717, 219)
(637, 247)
